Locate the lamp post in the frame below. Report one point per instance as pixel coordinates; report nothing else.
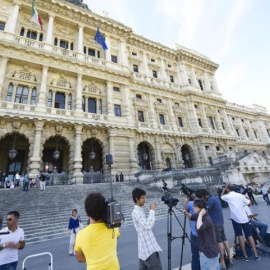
(13, 152)
(56, 153)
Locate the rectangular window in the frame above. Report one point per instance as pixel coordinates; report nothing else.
(176, 104)
(116, 89)
(200, 122)
(237, 131)
(222, 124)
(31, 34)
(140, 116)
(63, 44)
(2, 26)
(134, 53)
(154, 73)
(255, 134)
(153, 60)
(171, 79)
(117, 110)
(161, 119)
(83, 104)
(169, 66)
(91, 52)
(212, 122)
(200, 84)
(247, 133)
(33, 96)
(135, 68)
(49, 100)
(195, 106)
(59, 100)
(206, 147)
(180, 122)
(159, 100)
(10, 91)
(92, 105)
(22, 94)
(114, 58)
(217, 148)
(138, 96)
(189, 81)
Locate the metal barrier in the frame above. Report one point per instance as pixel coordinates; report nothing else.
(92, 177)
(54, 179)
(37, 255)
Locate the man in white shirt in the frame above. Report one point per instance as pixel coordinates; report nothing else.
(11, 242)
(148, 247)
(265, 195)
(240, 221)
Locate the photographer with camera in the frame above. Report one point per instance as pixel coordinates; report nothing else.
(239, 218)
(148, 247)
(96, 244)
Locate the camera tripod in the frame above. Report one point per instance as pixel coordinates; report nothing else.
(171, 237)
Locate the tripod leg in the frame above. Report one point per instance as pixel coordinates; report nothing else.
(169, 235)
(183, 242)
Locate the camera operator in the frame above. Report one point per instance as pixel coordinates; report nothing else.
(195, 261)
(10, 243)
(215, 212)
(96, 244)
(239, 218)
(148, 247)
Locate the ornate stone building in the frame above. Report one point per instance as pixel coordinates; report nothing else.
(148, 105)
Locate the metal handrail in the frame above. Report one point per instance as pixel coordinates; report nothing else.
(37, 255)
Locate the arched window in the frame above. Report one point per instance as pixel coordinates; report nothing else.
(10, 91)
(49, 100)
(83, 104)
(33, 96)
(168, 163)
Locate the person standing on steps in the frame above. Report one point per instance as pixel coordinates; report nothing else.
(265, 195)
(42, 181)
(73, 229)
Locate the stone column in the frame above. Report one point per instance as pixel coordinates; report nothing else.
(193, 78)
(41, 104)
(49, 34)
(78, 103)
(207, 83)
(132, 160)
(66, 101)
(14, 92)
(145, 66)
(164, 75)
(80, 39)
(218, 122)
(192, 116)
(35, 160)
(77, 168)
(127, 105)
(108, 52)
(158, 155)
(228, 126)
(3, 68)
(183, 75)
(29, 95)
(123, 53)
(172, 117)
(53, 98)
(205, 123)
(12, 22)
(110, 109)
(152, 113)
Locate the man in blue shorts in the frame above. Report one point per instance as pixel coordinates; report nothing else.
(237, 202)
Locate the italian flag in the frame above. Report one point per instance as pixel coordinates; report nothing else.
(35, 17)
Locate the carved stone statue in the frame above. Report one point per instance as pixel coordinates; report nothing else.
(78, 3)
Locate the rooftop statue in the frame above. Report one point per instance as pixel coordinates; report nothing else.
(78, 3)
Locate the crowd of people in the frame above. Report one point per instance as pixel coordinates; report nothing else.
(209, 246)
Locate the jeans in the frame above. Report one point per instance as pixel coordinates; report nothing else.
(209, 263)
(262, 228)
(152, 262)
(9, 266)
(265, 197)
(25, 186)
(195, 261)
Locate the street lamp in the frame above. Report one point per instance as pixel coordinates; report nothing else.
(56, 153)
(13, 152)
(92, 153)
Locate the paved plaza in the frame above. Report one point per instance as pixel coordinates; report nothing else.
(127, 246)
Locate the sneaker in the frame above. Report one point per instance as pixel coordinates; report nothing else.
(246, 259)
(258, 258)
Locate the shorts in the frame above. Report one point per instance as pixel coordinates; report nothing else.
(238, 227)
(220, 233)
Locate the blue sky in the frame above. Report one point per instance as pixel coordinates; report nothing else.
(232, 33)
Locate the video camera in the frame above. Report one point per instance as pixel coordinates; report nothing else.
(114, 216)
(190, 193)
(169, 200)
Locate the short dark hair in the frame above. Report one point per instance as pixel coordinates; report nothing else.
(95, 206)
(230, 187)
(16, 214)
(137, 193)
(200, 193)
(200, 203)
(73, 211)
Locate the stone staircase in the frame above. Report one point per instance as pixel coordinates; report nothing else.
(45, 214)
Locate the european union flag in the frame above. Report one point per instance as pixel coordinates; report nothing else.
(99, 39)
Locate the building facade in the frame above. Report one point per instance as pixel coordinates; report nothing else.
(148, 105)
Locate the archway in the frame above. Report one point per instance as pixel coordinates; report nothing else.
(144, 154)
(186, 156)
(92, 156)
(52, 162)
(18, 164)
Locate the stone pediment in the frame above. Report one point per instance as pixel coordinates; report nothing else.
(24, 74)
(93, 88)
(61, 81)
(254, 160)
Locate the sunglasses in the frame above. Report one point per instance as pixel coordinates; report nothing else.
(9, 219)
